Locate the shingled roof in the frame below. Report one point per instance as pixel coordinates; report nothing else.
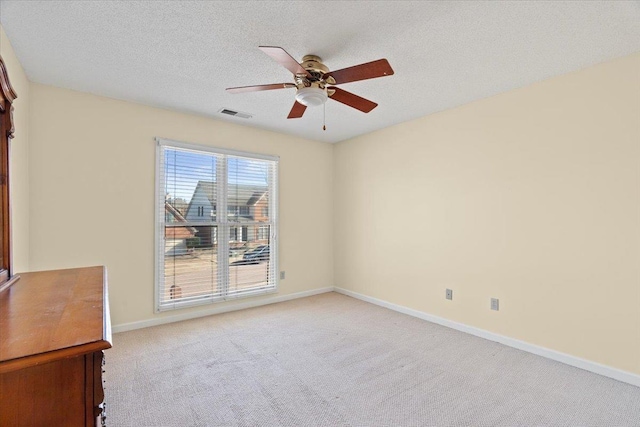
(175, 233)
(237, 194)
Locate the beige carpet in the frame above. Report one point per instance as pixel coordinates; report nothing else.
(331, 360)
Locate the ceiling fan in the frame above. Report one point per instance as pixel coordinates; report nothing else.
(315, 84)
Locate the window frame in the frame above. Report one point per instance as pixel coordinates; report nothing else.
(223, 245)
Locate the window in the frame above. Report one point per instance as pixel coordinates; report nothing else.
(203, 259)
(263, 232)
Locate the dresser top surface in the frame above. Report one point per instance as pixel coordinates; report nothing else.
(49, 311)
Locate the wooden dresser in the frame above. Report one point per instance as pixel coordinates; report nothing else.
(54, 326)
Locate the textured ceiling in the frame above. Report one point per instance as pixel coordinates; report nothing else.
(182, 55)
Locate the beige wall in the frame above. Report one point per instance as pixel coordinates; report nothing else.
(19, 174)
(532, 197)
(92, 192)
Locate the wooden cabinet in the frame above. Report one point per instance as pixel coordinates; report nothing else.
(54, 326)
(7, 96)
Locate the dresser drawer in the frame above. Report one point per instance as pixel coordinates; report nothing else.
(51, 394)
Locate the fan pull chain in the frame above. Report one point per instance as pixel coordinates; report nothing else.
(324, 116)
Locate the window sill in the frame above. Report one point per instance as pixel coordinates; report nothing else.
(214, 300)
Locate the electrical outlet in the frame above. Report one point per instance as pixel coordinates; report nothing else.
(449, 294)
(495, 304)
(282, 275)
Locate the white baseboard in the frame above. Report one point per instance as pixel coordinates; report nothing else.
(217, 310)
(587, 365)
(577, 362)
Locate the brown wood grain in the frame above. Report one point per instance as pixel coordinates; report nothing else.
(96, 381)
(297, 110)
(7, 96)
(46, 395)
(369, 70)
(258, 88)
(283, 58)
(352, 100)
(53, 311)
(54, 326)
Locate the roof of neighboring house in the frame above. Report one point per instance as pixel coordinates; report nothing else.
(179, 204)
(256, 197)
(174, 212)
(177, 232)
(237, 194)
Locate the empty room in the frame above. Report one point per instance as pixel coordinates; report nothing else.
(305, 213)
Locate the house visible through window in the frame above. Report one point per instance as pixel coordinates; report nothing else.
(263, 232)
(208, 258)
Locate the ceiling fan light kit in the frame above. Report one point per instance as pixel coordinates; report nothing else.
(311, 96)
(314, 81)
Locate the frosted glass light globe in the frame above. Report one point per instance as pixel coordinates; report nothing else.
(311, 96)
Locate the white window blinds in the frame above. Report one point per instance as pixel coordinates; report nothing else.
(216, 224)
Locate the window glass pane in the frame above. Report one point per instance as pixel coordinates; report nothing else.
(249, 183)
(248, 189)
(250, 259)
(190, 184)
(190, 264)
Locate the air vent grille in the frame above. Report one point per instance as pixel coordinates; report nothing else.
(235, 113)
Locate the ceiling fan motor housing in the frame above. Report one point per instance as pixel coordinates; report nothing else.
(312, 91)
(314, 63)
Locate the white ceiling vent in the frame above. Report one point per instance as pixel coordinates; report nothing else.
(234, 113)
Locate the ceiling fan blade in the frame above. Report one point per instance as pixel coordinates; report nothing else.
(352, 100)
(297, 111)
(283, 58)
(259, 87)
(369, 70)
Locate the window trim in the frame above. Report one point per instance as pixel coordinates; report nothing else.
(161, 143)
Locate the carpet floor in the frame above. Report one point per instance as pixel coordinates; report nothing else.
(331, 360)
